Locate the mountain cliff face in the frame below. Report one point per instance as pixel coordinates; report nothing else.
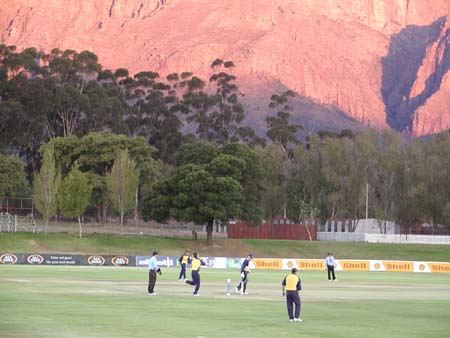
(433, 81)
(379, 62)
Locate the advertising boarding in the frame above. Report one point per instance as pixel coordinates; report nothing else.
(8, 258)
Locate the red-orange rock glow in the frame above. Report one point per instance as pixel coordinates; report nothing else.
(329, 51)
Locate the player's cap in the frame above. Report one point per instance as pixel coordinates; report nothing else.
(250, 255)
(155, 252)
(294, 270)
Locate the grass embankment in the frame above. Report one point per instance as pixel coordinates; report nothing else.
(141, 245)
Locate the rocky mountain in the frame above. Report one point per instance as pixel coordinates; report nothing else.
(376, 62)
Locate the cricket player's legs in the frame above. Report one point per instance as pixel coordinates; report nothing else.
(244, 283)
(298, 304)
(330, 269)
(151, 281)
(196, 280)
(192, 281)
(239, 285)
(289, 302)
(182, 272)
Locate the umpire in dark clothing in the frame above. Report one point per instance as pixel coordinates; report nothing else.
(291, 286)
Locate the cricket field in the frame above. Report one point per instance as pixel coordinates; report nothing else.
(94, 302)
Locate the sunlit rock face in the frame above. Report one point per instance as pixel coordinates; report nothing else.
(382, 63)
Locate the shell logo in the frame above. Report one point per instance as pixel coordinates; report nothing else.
(290, 264)
(422, 267)
(377, 266)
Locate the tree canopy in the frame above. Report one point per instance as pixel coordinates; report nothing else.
(65, 100)
(46, 185)
(122, 183)
(13, 180)
(74, 195)
(208, 184)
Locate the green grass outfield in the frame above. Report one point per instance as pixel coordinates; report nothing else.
(88, 302)
(144, 245)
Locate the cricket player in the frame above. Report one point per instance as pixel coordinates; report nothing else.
(184, 260)
(153, 269)
(291, 285)
(196, 263)
(245, 270)
(330, 263)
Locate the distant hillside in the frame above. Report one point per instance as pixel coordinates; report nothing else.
(380, 62)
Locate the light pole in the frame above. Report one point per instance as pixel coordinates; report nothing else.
(367, 204)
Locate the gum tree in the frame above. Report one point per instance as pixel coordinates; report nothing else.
(122, 183)
(74, 195)
(46, 185)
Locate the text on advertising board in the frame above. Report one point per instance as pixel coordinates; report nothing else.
(439, 267)
(8, 259)
(354, 265)
(120, 260)
(96, 260)
(398, 266)
(310, 264)
(267, 263)
(35, 259)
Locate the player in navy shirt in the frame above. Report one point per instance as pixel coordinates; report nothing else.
(196, 263)
(245, 270)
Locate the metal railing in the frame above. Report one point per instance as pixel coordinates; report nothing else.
(340, 236)
(382, 238)
(15, 223)
(410, 239)
(17, 206)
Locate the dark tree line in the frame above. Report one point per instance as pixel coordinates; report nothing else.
(221, 169)
(65, 93)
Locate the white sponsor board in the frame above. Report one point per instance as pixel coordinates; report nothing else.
(377, 266)
(289, 263)
(215, 262)
(421, 267)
